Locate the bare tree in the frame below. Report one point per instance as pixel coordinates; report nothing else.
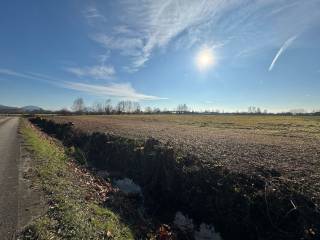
(97, 107)
(78, 105)
(156, 110)
(254, 110)
(136, 107)
(120, 108)
(148, 110)
(182, 108)
(258, 111)
(107, 106)
(128, 107)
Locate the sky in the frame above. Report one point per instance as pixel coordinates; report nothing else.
(209, 54)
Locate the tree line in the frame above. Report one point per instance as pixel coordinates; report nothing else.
(125, 106)
(132, 107)
(106, 107)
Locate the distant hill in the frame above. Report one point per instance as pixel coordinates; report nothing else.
(25, 109)
(31, 108)
(7, 109)
(2, 107)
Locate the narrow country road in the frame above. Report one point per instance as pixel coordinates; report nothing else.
(9, 176)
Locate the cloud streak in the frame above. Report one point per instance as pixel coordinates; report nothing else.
(92, 14)
(128, 46)
(283, 48)
(153, 24)
(12, 73)
(248, 25)
(96, 72)
(117, 90)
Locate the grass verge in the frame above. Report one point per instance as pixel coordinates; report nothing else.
(71, 213)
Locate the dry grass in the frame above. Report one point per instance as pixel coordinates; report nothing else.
(74, 207)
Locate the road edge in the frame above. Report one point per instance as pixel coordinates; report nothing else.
(31, 199)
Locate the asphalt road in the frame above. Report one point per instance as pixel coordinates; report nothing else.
(9, 177)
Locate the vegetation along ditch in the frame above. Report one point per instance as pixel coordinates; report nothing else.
(176, 185)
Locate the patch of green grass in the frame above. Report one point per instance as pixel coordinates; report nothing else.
(69, 215)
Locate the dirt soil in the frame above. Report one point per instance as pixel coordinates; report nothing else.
(286, 148)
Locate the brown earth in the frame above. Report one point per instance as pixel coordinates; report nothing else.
(284, 148)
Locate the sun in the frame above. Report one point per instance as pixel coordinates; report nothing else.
(205, 59)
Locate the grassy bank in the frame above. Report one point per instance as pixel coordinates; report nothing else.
(73, 210)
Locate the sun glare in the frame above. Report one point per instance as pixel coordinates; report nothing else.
(205, 59)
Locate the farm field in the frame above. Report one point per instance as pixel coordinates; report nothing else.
(285, 148)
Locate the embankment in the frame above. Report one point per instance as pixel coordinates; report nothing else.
(259, 206)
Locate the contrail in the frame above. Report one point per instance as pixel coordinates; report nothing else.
(281, 50)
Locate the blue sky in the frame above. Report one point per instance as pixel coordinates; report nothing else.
(263, 53)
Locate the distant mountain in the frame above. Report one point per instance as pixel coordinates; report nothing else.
(31, 108)
(26, 109)
(3, 107)
(7, 109)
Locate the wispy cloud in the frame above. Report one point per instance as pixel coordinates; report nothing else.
(92, 15)
(164, 21)
(284, 7)
(30, 75)
(118, 90)
(13, 73)
(96, 72)
(153, 24)
(122, 29)
(281, 51)
(128, 46)
(243, 24)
